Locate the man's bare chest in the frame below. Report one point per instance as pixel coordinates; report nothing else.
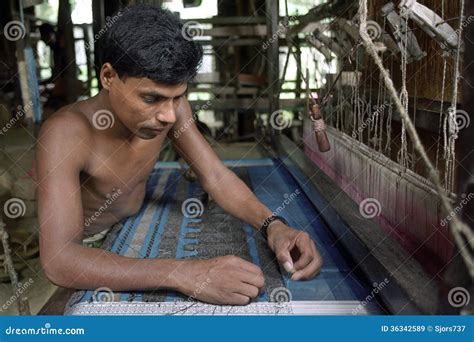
(120, 167)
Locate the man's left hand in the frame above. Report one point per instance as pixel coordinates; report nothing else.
(295, 251)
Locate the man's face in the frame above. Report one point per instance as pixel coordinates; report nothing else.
(146, 108)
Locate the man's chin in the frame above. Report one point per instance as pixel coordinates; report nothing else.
(146, 134)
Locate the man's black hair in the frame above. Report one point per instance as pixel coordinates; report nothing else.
(148, 41)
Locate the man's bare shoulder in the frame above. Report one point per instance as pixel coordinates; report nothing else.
(64, 139)
(66, 124)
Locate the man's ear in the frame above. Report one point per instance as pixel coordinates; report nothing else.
(107, 75)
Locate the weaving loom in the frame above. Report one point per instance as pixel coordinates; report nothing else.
(160, 230)
(410, 200)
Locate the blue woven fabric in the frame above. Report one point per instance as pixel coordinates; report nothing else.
(160, 229)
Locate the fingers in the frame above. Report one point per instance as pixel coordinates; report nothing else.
(284, 257)
(307, 252)
(309, 261)
(247, 272)
(238, 299)
(247, 290)
(313, 268)
(252, 279)
(246, 266)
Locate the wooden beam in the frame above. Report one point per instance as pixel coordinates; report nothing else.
(260, 104)
(273, 74)
(240, 30)
(335, 8)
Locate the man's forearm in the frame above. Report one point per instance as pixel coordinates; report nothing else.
(81, 267)
(234, 196)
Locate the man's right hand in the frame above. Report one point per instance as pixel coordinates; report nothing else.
(222, 280)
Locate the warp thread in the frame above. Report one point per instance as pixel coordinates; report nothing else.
(459, 228)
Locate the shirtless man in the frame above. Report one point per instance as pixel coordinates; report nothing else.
(146, 63)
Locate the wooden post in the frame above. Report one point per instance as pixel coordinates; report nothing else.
(65, 31)
(271, 8)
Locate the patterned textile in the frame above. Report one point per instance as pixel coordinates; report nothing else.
(160, 230)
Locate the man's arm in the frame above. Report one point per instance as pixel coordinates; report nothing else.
(229, 191)
(61, 154)
(233, 195)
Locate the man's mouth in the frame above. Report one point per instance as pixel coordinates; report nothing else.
(160, 129)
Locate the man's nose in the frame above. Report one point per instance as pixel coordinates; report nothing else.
(167, 113)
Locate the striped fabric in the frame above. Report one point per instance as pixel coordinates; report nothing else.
(160, 230)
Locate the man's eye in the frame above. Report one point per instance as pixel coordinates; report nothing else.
(149, 100)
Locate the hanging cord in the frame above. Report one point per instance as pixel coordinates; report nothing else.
(361, 104)
(383, 103)
(339, 109)
(378, 120)
(441, 116)
(354, 102)
(402, 153)
(441, 110)
(356, 99)
(412, 157)
(368, 113)
(459, 228)
(363, 111)
(388, 146)
(453, 128)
